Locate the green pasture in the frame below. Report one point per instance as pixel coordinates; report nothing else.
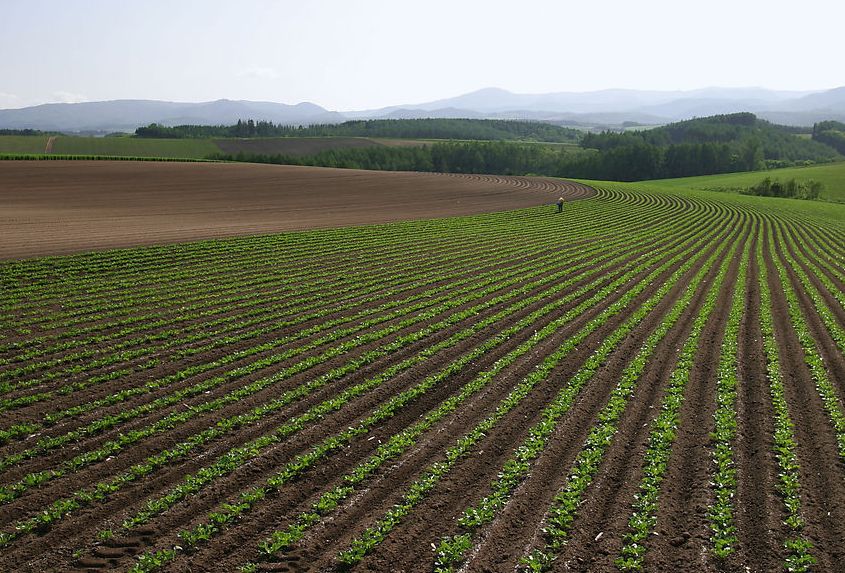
(831, 175)
(23, 143)
(137, 147)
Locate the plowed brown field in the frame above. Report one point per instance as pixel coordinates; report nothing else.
(578, 391)
(60, 207)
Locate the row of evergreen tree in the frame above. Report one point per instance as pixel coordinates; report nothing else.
(472, 129)
(624, 163)
(26, 132)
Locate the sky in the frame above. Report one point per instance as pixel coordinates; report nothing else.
(364, 54)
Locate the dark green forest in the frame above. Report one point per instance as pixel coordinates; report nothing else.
(472, 129)
(625, 163)
(719, 144)
(830, 133)
(26, 132)
(494, 157)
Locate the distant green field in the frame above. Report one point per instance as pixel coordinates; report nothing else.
(23, 143)
(188, 148)
(832, 176)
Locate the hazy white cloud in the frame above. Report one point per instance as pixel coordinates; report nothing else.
(67, 97)
(8, 101)
(259, 72)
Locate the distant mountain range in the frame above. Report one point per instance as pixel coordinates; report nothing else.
(127, 115)
(615, 107)
(589, 109)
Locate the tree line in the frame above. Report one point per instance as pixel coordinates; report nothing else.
(830, 133)
(471, 129)
(494, 157)
(624, 163)
(27, 132)
(705, 146)
(633, 161)
(719, 144)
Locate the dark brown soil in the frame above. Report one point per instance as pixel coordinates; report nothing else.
(61, 207)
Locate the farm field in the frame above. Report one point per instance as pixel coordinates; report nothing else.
(56, 207)
(117, 146)
(23, 143)
(204, 148)
(297, 146)
(108, 146)
(652, 380)
(190, 148)
(831, 175)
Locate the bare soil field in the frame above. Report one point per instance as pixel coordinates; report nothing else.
(61, 207)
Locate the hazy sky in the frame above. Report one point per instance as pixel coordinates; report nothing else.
(356, 54)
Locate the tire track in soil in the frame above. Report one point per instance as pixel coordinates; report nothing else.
(758, 510)
(470, 477)
(307, 440)
(606, 506)
(822, 483)
(362, 448)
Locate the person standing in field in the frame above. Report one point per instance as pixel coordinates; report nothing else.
(560, 205)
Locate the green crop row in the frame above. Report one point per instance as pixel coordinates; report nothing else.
(170, 421)
(798, 547)
(266, 268)
(108, 422)
(663, 431)
(815, 363)
(721, 513)
(281, 540)
(203, 308)
(418, 282)
(452, 547)
(819, 265)
(263, 411)
(245, 501)
(110, 359)
(232, 460)
(824, 311)
(452, 551)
